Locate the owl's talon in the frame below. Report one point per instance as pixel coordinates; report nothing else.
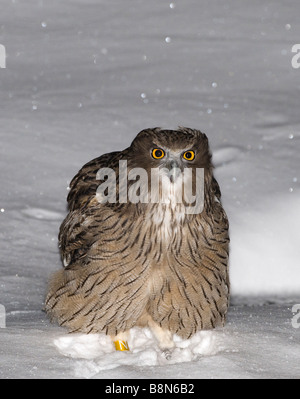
(122, 346)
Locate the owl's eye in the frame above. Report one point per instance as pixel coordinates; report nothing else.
(189, 155)
(158, 153)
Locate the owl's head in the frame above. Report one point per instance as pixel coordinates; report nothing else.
(176, 162)
(163, 167)
(171, 149)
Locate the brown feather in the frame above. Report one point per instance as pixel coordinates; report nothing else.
(126, 264)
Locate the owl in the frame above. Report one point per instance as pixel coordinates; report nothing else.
(157, 263)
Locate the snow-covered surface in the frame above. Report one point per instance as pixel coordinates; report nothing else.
(83, 77)
(258, 342)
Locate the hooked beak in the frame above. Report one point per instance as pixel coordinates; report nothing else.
(174, 170)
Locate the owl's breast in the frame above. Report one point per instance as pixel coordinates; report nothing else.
(165, 224)
(166, 221)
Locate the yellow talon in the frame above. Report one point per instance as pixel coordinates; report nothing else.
(122, 346)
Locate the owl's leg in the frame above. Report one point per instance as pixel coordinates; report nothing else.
(121, 341)
(164, 338)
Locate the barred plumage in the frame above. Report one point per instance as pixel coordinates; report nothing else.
(141, 264)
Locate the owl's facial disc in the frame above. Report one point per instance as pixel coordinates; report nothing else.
(171, 163)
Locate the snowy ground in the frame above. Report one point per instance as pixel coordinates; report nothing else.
(258, 342)
(84, 77)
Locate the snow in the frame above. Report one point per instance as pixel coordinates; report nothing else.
(83, 78)
(143, 347)
(258, 342)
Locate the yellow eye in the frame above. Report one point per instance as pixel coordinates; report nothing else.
(189, 155)
(158, 153)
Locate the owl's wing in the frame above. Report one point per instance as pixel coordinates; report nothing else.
(216, 189)
(84, 185)
(73, 240)
(104, 283)
(76, 236)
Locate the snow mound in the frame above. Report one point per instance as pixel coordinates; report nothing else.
(97, 353)
(42, 214)
(226, 155)
(265, 255)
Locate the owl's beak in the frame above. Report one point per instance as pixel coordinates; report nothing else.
(174, 170)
